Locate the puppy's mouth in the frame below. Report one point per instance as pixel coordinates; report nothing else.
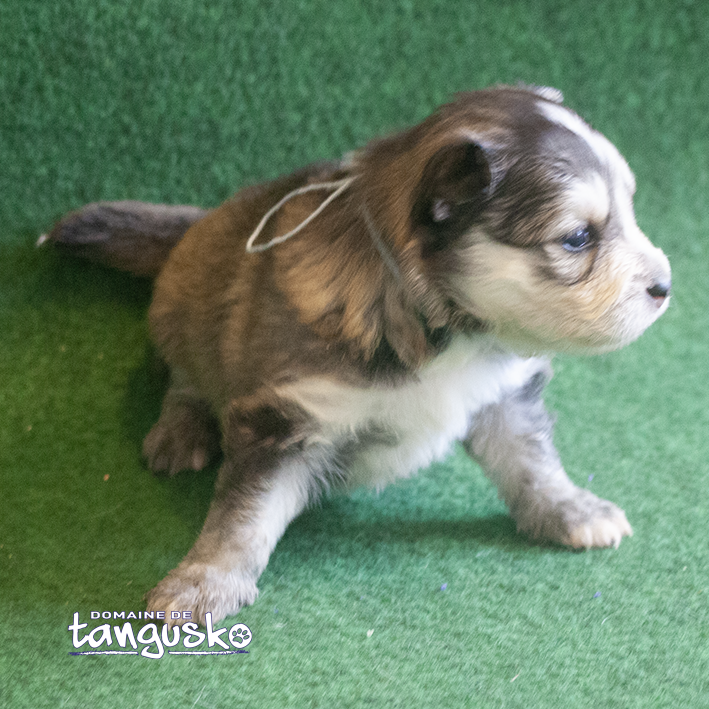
(615, 318)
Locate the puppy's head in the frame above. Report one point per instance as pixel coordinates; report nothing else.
(523, 218)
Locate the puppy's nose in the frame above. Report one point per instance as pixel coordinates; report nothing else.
(659, 291)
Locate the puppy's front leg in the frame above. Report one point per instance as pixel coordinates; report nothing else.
(512, 440)
(267, 478)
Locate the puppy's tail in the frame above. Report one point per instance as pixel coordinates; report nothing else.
(130, 236)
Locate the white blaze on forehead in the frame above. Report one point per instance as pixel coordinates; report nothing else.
(606, 152)
(622, 180)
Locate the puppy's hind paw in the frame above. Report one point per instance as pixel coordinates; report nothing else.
(185, 438)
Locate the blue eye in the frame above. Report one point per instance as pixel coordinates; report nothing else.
(578, 240)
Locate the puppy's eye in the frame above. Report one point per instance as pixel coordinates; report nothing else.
(579, 239)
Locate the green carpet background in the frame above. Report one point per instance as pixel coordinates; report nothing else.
(185, 101)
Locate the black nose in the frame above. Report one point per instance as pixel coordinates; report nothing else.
(659, 290)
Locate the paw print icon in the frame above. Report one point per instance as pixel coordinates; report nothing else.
(240, 635)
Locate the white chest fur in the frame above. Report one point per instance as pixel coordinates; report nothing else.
(424, 416)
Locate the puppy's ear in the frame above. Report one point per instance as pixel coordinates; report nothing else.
(451, 194)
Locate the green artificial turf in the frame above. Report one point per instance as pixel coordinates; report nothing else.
(423, 595)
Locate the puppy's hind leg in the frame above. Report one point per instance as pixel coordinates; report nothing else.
(186, 436)
(512, 440)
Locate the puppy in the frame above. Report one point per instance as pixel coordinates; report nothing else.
(346, 324)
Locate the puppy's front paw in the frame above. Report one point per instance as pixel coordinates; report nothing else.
(605, 528)
(201, 589)
(580, 520)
